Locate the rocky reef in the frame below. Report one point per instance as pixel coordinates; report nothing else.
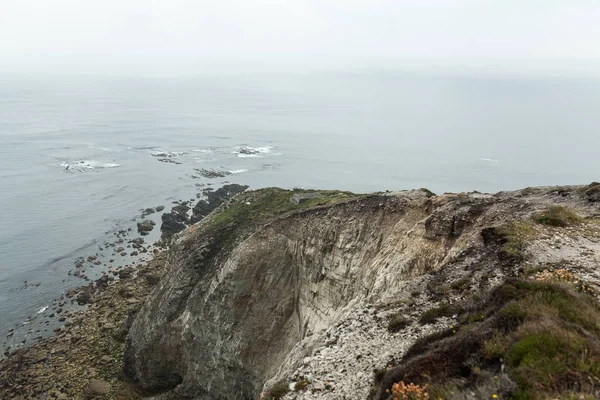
(332, 295)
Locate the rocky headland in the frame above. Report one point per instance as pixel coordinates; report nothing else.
(333, 295)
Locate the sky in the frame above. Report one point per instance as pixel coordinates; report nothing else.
(187, 36)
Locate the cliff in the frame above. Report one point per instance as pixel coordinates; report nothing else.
(272, 292)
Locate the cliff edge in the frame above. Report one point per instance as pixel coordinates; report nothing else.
(283, 290)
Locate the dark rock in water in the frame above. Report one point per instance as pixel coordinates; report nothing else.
(119, 249)
(91, 258)
(299, 198)
(248, 151)
(86, 295)
(176, 220)
(169, 161)
(202, 209)
(147, 212)
(213, 173)
(180, 211)
(145, 226)
(214, 198)
(170, 225)
(102, 283)
(160, 208)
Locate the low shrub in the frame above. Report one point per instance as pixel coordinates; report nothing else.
(278, 390)
(432, 315)
(557, 216)
(397, 323)
(402, 391)
(460, 284)
(301, 385)
(538, 339)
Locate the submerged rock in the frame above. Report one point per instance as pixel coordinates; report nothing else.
(145, 227)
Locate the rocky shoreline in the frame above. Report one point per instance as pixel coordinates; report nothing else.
(327, 295)
(115, 259)
(84, 357)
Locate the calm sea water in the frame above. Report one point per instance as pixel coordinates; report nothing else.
(80, 157)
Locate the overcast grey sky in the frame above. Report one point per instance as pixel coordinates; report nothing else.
(181, 36)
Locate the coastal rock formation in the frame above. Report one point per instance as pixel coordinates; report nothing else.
(178, 219)
(266, 290)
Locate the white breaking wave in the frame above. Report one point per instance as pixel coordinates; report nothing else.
(238, 171)
(86, 165)
(42, 309)
(167, 154)
(252, 152)
(489, 160)
(99, 148)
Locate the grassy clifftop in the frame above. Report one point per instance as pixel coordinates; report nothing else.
(534, 336)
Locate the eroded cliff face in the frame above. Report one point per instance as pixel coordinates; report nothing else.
(250, 294)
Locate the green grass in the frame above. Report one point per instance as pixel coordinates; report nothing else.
(270, 202)
(278, 390)
(516, 235)
(432, 315)
(547, 335)
(397, 323)
(557, 216)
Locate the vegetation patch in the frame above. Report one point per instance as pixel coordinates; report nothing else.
(397, 323)
(461, 284)
(379, 374)
(270, 202)
(402, 391)
(277, 391)
(427, 192)
(513, 238)
(529, 339)
(432, 315)
(301, 385)
(557, 216)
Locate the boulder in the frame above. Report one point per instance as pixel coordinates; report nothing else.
(97, 387)
(145, 226)
(299, 198)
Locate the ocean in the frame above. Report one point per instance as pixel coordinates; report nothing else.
(81, 157)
